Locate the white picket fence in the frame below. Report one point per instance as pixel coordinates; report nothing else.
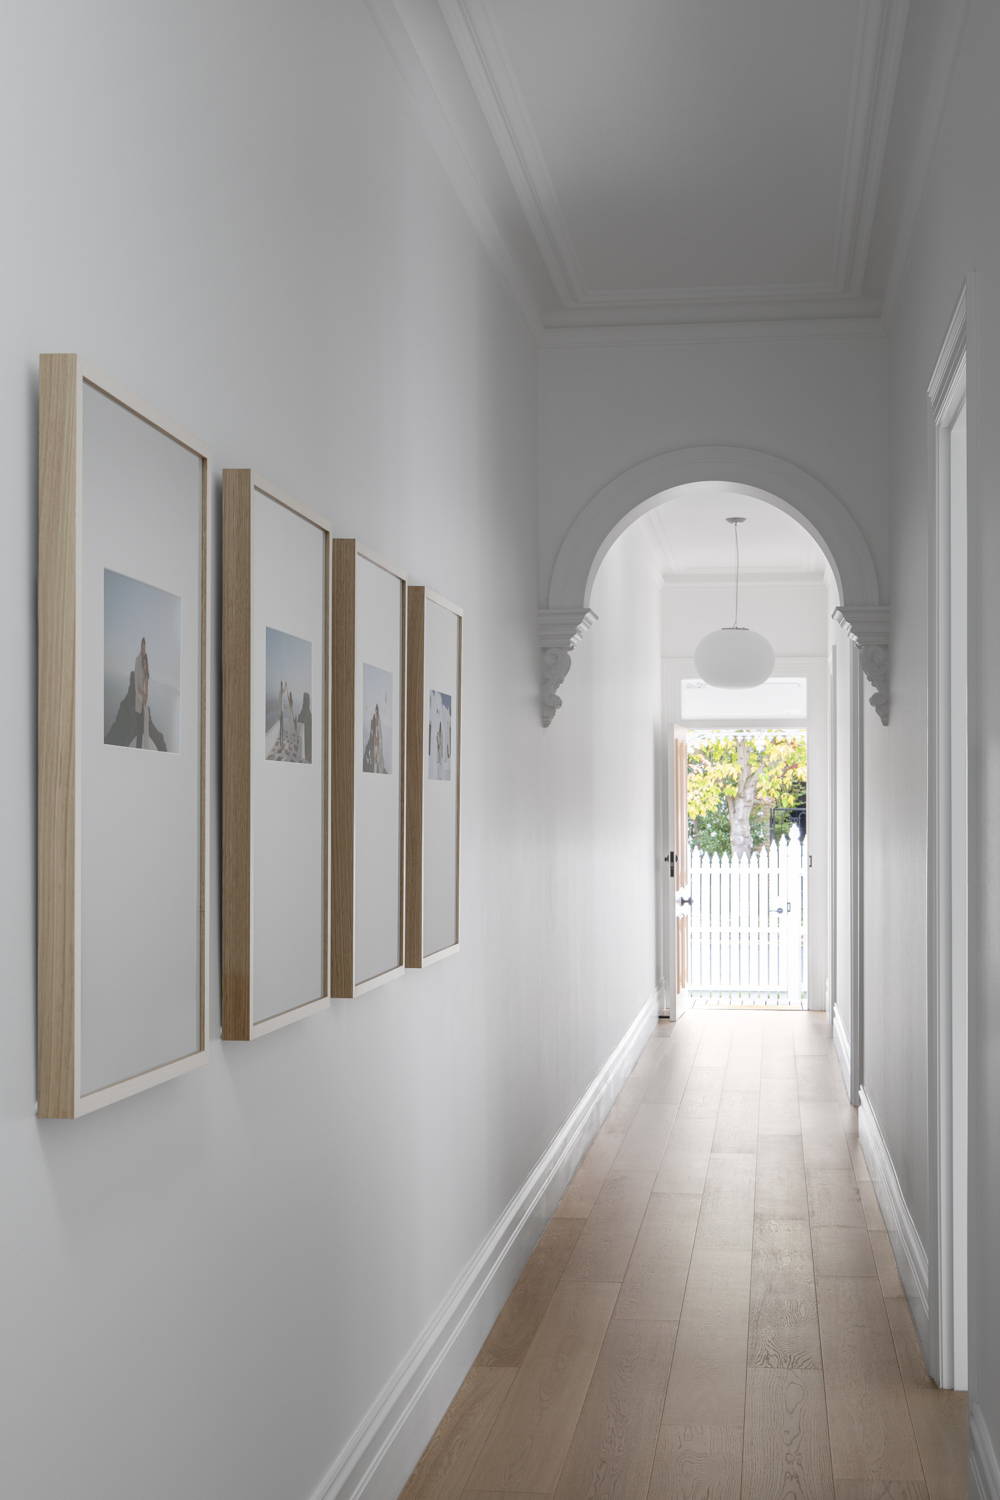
(748, 942)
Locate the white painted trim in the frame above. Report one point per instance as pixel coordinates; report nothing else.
(704, 330)
(907, 1246)
(493, 78)
(749, 471)
(873, 90)
(935, 97)
(947, 1017)
(450, 142)
(984, 1467)
(842, 1047)
(386, 1444)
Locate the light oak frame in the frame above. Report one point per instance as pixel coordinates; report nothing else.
(344, 732)
(240, 743)
(417, 599)
(62, 378)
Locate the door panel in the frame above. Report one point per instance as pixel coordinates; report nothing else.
(682, 870)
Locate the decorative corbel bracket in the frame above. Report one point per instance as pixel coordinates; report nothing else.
(868, 627)
(558, 632)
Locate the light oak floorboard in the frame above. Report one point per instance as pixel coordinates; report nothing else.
(736, 1122)
(779, 1107)
(579, 1198)
(786, 1445)
(708, 1378)
(781, 1178)
(794, 1356)
(615, 1441)
(834, 1199)
(940, 1418)
(534, 1430)
(842, 1251)
(885, 1263)
(524, 1309)
(878, 1489)
(697, 1463)
(447, 1461)
(603, 1250)
(870, 1206)
(727, 1203)
(657, 1273)
(871, 1435)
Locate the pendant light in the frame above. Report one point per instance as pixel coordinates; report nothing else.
(734, 657)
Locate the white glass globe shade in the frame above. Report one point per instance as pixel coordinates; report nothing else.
(734, 658)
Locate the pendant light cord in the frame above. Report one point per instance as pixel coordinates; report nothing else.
(736, 607)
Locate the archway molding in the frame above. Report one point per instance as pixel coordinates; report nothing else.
(568, 613)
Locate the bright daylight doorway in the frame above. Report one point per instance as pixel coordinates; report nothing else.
(743, 910)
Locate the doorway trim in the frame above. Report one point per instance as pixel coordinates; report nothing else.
(948, 886)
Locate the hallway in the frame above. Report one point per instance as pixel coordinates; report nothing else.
(714, 1313)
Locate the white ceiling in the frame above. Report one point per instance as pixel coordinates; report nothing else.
(670, 160)
(690, 537)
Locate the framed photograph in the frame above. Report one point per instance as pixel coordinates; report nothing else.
(433, 776)
(122, 667)
(275, 759)
(368, 760)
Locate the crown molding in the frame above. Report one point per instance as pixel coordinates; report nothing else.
(701, 305)
(559, 630)
(448, 139)
(877, 56)
(714, 332)
(492, 77)
(873, 90)
(935, 98)
(867, 625)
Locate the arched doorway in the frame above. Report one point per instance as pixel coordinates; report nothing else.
(861, 609)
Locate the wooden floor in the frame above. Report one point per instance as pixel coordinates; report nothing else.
(714, 1313)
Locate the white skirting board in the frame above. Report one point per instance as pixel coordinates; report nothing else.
(984, 1467)
(381, 1452)
(842, 1047)
(907, 1246)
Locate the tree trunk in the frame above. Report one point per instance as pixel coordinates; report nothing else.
(741, 806)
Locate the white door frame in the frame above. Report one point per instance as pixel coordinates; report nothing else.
(948, 888)
(822, 839)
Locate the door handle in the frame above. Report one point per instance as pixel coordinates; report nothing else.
(685, 901)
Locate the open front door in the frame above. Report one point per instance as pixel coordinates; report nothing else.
(680, 868)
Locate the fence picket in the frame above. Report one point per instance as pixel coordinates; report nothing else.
(748, 925)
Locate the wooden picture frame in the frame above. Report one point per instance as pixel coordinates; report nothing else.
(275, 861)
(367, 815)
(434, 759)
(123, 534)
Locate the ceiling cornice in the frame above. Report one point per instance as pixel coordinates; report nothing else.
(877, 56)
(931, 116)
(873, 88)
(714, 332)
(448, 138)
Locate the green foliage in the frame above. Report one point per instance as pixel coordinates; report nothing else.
(714, 776)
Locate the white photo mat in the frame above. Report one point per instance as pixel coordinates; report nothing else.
(123, 902)
(378, 835)
(288, 796)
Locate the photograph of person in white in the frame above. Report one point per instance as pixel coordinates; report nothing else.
(142, 661)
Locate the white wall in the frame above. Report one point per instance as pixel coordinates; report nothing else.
(957, 230)
(612, 399)
(232, 210)
(793, 615)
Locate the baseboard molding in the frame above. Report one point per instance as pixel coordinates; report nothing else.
(984, 1467)
(907, 1246)
(384, 1447)
(842, 1048)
